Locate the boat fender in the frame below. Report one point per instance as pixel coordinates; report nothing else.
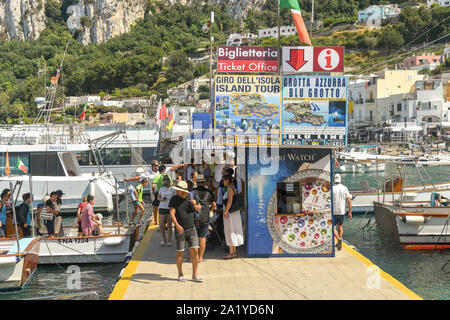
(8, 260)
(113, 241)
(414, 219)
(128, 257)
(121, 273)
(92, 184)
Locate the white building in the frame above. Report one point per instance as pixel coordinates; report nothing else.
(238, 39)
(425, 106)
(447, 52)
(357, 95)
(442, 3)
(373, 15)
(273, 32)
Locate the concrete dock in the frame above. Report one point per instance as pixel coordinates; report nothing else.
(152, 275)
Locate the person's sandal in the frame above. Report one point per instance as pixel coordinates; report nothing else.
(197, 279)
(229, 256)
(181, 279)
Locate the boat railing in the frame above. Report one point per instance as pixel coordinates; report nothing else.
(42, 134)
(88, 295)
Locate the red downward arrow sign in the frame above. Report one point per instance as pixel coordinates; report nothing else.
(297, 59)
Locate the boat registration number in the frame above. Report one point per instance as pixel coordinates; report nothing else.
(68, 241)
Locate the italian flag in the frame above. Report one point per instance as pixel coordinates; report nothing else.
(21, 166)
(298, 20)
(83, 114)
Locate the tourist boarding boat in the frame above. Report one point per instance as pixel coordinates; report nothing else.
(18, 261)
(53, 166)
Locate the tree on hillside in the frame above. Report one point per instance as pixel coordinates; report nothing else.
(390, 38)
(180, 69)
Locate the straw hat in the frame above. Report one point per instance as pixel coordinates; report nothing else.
(182, 186)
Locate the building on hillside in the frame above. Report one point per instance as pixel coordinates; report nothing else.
(447, 52)
(442, 3)
(238, 39)
(424, 110)
(273, 32)
(124, 118)
(424, 61)
(372, 16)
(77, 100)
(188, 91)
(357, 104)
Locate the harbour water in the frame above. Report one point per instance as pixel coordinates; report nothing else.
(424, 272)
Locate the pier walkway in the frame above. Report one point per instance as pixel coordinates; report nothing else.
(152, 275)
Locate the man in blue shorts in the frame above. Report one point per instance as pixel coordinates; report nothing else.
(340, 196)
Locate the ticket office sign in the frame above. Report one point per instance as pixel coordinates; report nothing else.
(314, 110)
(247, 110)
(247, 59)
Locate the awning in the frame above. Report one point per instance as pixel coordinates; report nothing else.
(398, 129)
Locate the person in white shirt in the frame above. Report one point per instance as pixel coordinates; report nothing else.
(340, 196)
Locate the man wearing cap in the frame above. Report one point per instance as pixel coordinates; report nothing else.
(340, 196)
(182, 213)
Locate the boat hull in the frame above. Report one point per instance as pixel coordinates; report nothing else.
(81, 250)
(17, 269)
(414, 225)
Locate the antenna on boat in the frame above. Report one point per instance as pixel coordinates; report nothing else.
(15, 217)
(50, 94)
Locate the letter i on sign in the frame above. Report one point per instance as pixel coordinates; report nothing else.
(328, 60)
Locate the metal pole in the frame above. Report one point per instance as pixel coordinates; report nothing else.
(210, 56)
(33, 224)
(117, 206)
(126, 201)
(378, 183)
(312, 18)
(15, 218)
(278, 33)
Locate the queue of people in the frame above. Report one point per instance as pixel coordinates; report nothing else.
(187, 204)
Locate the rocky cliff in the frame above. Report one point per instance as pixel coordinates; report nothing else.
(93, 20)
(99, 20)
(21, 19)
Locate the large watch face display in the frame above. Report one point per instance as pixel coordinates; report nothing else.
(299, 213)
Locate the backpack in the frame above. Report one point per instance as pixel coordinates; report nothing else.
(202, 216)
(130, 193)
(238, 201)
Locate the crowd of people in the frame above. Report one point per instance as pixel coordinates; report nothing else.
(48, 221)
(195, 207)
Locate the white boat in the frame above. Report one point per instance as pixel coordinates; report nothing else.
(416, 224)
(54, 166)
(17, 263)
(394, 189)
(359, 166)
(71, 249)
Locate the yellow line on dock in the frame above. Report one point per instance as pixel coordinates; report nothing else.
(385, 275)
(122, 285)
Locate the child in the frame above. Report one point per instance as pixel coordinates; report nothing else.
(137, 197)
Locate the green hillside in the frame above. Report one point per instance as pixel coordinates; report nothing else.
(153, 56)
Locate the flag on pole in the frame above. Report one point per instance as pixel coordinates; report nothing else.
(298, 20)
(171, 121)
(163, 114)
(83, 114)
(158, 111)
(21, 166)
(7, 169)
